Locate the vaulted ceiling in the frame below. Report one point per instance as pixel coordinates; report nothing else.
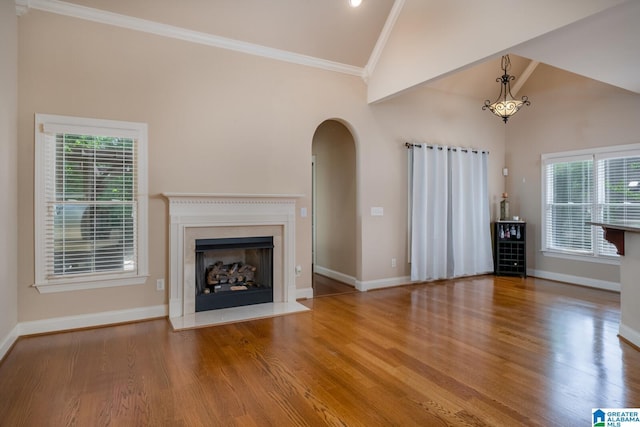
(397, 45)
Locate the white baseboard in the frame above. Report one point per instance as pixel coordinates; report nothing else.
(382, 283)
(335, 275)
(304, 293)
(629, 334)
(89, 320)
(575, 280)
(8, 341)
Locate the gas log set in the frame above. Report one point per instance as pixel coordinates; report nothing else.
(230, 277)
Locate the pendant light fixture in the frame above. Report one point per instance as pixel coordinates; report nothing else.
(355, 3)
(505, 105)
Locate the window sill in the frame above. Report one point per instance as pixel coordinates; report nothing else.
(583, 258)
(89, 283)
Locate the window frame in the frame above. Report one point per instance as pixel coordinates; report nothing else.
(48, 125)
(595, 155)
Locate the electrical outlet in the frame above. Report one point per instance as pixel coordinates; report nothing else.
(393, 262)
(160, 285)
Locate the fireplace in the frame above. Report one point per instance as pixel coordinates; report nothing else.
(233, 272)
(206, 217)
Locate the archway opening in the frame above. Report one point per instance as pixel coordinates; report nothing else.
(334, 215)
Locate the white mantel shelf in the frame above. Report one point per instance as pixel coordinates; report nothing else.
(210, 215)
(230, 196)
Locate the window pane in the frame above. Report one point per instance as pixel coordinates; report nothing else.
(569, 205)
(568, 229)
(619, 195)
(573, 182)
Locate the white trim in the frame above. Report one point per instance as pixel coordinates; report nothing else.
(589, 152)
(56, 324)
(383, 283)
(164, 30)
(45, 123)
(335, 275)
(304, 293)
(22, 7)
(90, 283)
(184, 197)
(523, 78)
(8, 341)
(314, 211)
(575, 280)
(629, 334)
(584, 258)
(383, 38)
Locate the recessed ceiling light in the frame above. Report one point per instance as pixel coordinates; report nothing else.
(355, 3)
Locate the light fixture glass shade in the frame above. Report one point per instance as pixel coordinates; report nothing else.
(355, 3)
(506, 108)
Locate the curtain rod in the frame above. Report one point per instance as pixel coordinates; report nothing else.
(464, 150)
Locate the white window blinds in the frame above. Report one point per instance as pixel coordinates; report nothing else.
(618, 193)
(569, 192)
(91, 205)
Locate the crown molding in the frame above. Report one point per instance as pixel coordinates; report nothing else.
(382, 39)
(164, 30)
(22, 7)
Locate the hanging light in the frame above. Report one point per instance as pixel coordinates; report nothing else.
(355, 3)
(505, 105)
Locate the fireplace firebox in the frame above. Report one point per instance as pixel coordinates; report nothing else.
(233, 272)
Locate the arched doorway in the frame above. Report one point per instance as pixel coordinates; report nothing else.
(334, 216)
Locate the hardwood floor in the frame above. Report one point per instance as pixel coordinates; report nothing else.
(323, 286)
(478, 352)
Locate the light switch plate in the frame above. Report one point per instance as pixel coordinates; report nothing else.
(377, 211)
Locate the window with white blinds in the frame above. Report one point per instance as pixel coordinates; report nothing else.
(90, 203)
(600, 185)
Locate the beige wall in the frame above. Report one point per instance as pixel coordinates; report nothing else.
(8, 168)
(221, 121)
(335, 159)
(568, 112)
(422, 115)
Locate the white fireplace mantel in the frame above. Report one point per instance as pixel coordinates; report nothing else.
(196, 215)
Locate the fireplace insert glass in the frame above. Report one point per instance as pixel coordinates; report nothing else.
(233, 272)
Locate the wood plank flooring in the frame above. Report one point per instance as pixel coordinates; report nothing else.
(323, 286)
(482, 351)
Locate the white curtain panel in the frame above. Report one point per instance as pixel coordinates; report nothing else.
(450, 225)
(470, 223)
(429, 242)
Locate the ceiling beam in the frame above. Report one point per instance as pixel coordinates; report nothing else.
(524, 77)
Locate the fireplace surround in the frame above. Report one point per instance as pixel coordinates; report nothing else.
(195, 217)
